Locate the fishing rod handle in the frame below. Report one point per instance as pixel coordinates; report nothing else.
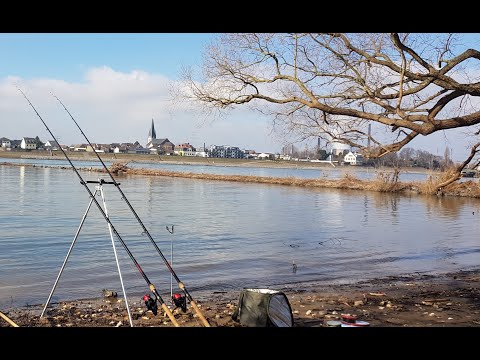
(199, 313)
(7, 319)
(163, 305)
(170, 315)
(194, 305)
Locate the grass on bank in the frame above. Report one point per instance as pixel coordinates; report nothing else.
(385, 181)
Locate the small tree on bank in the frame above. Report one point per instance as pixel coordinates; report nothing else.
(375, 92)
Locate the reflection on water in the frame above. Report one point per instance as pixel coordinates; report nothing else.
(227, 235)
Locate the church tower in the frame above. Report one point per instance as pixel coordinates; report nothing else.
(151, 134)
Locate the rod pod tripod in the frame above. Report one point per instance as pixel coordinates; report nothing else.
(98, 190)
(151, 286)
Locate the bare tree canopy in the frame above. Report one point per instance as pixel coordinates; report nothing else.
(376, 92)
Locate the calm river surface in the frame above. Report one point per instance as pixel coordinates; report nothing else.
(226, 236)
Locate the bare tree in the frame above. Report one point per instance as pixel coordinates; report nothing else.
(332, 86)
(406, 156)
(447, 160)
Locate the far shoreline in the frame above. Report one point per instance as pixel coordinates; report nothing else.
(203, 161)
(386, 179)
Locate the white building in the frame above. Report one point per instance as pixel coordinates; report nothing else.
(353, 158)
(5, 142)
(28, 143)
(52, 145)
(338, 148)
(266, 156)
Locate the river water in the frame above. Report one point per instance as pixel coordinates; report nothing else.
(226, 235)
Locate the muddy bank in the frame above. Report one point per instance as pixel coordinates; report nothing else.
(447, 300)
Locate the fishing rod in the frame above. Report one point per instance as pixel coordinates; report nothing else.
(181, 285)
(137, 265)
(7, 319)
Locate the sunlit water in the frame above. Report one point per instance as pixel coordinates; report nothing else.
(226, 235)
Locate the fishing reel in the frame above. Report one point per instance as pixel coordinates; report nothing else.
(151, 304)
(180, 302)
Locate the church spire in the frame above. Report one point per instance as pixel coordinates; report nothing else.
(152, 134)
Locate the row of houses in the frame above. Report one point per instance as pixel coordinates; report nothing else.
(154, 146)
(163, 146)
(158, 147)
(26, 143)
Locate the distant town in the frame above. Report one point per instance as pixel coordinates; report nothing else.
(338, 153)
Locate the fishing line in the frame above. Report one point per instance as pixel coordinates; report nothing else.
(84, 183)
(181, 285)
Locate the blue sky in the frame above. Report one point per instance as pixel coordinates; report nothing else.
(114, 84)
(68, 56)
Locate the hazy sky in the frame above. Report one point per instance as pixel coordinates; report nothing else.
(114, 84)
